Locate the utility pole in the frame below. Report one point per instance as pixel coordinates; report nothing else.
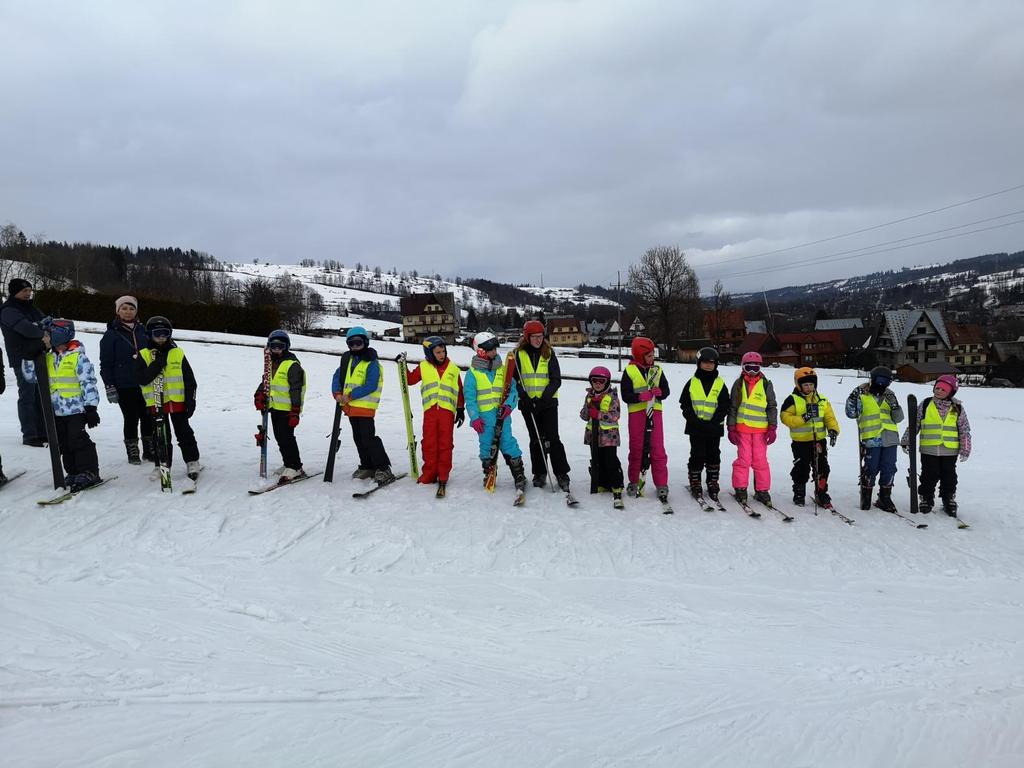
(618, 300)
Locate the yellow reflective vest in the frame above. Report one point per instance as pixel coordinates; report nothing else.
(174, 379)
(936, 431)
(753, 410)
(705, 403)
(874, 419)
(280, 391)
(440, 390)
(64, 377)
(636, 377)
(488, 393)
(534, 381)
(356, 377)
(812, 430)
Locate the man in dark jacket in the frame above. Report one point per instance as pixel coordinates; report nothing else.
(23, 338)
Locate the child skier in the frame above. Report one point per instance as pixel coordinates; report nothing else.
(484, 383)
(165, 358)
(3, 387)
(443, 410)
(643, 382)
(356, 386)
(287, 386)
(752, 425)
(74, 396)
(602, 405)
(877, 412)
(945, 435)
(811, 421)
(705, 404)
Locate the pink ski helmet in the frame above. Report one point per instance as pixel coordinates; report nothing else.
(753, 358)
(600, 371)
(948, 381)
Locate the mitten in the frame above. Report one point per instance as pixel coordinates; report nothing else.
(656, 391)
(734, 435)
(647, 396)
(478, 425)
(293, 417)
(111, 393)
(770, 435)
(832, 437)
(460, 417)
(504, 411)
(594, 413)
(260, 400)
(92, 416)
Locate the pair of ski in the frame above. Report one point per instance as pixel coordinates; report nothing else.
(751, 512)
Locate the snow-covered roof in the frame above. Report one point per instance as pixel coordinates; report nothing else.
(838, 324)
(901, 322)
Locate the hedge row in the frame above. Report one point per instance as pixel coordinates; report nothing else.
(99, 307)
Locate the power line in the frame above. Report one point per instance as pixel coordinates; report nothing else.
(876, 226)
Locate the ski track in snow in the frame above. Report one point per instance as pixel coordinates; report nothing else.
(303, 627)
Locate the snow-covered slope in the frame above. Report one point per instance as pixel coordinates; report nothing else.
(303, 627)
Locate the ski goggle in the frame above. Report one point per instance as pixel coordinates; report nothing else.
(598, 380)
(160, 333)
(752, 368)
(356, 342)
(277, 346)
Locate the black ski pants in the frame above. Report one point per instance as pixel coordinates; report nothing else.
(608, 470)
(285, 437)
(135, 413)
(803, 462)
(543, 428)
(370, 448)
(77, 450)
(937, 470)
(705, 451)
(184, 434)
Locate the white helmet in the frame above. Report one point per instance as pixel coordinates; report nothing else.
(485, 339)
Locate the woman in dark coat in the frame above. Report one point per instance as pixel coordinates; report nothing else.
(119, 350)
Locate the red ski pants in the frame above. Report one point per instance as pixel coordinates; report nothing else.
(437, 443)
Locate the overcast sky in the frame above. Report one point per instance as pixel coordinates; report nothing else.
(512, 139)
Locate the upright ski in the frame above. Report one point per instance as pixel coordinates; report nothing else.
(161, 437)
(49, 422)
(594, 449)
(491, 478)
(912, 427)
(332, 450)
(403, 380)
(261, 429)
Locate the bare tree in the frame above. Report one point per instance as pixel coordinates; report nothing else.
(721, 303)
(13, 254)
(668, 294)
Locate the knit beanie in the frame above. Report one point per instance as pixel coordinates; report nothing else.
(126, 300)
(16, 285)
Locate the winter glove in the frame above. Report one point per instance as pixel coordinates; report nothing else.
(890, 398)
(92, 416)
(963, 458)
(293, 417)
(260, 400)
(111, 393)
(832, 437)
(594, 413)
(770, 435)
(460, 416)
(647, 396)
(905, 447)
(504, 411)
(478, 425)
(190, 409)
(811, 412)
(656, 391)
(734, 435)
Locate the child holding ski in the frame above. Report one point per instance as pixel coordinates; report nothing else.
(74, 397)
(644, 387)
(484, 385)
(601, 412)
(356, 387)
(752, 426)
(443, 410)
(705, 404)
(877, 412)
(811, 422)
(164, 361)
(945, 436)
(287, 390)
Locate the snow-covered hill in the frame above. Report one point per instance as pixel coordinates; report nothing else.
(303, 627)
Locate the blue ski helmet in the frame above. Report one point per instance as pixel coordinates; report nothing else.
(431, 343)
(279, 336)
(356, 332)
(61, 331)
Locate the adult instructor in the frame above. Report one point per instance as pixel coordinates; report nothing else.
(23, 339)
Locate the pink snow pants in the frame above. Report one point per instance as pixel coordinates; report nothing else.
(659, 459)
(751, 452)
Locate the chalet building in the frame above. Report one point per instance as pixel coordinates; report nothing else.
(429, 314)
(838, 324)
(726, 327)
(633, 326)
(970, 349)
(566, 331)
(911, 336)
(595, 330)
(815, 348)
(920, 373)
(766, 345)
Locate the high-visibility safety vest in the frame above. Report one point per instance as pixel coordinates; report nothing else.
(874, 419)
(174, 379)
(534, 381)
(604, 406)
(356, 377)
(753, 410)
(280, 392)
(936, 431)
(640, 386)
(64, 377)
(809, 430)
(439, 390)
(488, 393)
(705, 403)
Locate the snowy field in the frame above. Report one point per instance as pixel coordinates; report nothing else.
(305, 628)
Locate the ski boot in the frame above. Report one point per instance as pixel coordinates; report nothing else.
(192, 469)
(925, 503)
(288, 475)
(518, 472)
(741, 495)
(865, 496)
(539, 481)
(764, 497)
(563, 483)
(617, 502)
(821, 497)
(441, 490)
(147, 450)
(799, 494)
(884, 500)
(713, 487)
(663, 494)
(695, 488)
(132, 447)
(82, 480)
(631, 490)
(362, 474)
(381, 476)
(949, 505)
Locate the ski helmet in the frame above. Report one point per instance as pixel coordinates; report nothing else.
(484, 341)
(158, 325)
(881, 376)
(805, 374)
(278, 337)
(61, 331)
(640, 347)
(356, 332)
(600, 370)
(947, 380)
(751, 358)
(707, 355)
(431, 343)
(533, 326)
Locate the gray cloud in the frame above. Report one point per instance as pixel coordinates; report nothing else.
(510, 139)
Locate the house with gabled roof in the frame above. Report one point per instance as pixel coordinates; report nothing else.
(566, 331)
(816, 348)
(838, 324)
(911, 336)
(969, 350)
(429, 314)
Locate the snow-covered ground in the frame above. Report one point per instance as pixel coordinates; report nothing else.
(305, 628)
